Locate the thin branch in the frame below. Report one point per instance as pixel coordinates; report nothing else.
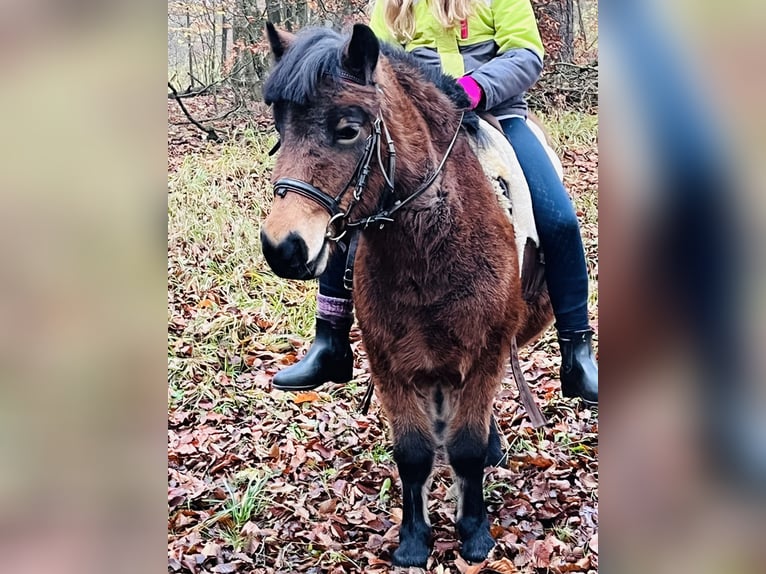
(215, 119)
(203, 91)
(211, 135)
(581, 23)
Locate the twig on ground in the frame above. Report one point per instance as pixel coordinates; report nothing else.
(211, 135)
(215, 119)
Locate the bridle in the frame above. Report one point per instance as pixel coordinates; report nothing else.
(358, 182)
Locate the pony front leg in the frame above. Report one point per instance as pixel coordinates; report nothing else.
(467, 452)
(414, 456)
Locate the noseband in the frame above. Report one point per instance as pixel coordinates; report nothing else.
(358, 181)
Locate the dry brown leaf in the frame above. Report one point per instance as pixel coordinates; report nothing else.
(210, 549)
(328, 506)
(465, 568)
(593, 544)
(502, 566)
(541, 552)
(307, 397)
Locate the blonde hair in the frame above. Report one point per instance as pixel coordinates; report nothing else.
(399, 15)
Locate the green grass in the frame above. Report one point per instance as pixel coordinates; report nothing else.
(217, 277)
(564, 533)
(571, 129)
(382, 453)
(241, 505)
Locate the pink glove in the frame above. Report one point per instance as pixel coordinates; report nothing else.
(472, 90)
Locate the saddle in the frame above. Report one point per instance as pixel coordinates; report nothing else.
(504, 172)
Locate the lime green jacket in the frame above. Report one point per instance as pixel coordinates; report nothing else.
(499, 47)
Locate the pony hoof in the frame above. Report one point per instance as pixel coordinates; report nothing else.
(477, 547)
(410, 554)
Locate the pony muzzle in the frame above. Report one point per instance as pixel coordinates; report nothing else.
(291, 258)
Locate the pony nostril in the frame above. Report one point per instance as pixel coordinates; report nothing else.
(288, 258)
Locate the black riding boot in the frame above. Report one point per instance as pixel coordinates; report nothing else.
(579, 371)
(329, 359)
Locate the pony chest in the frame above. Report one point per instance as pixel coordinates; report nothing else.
(417, 346)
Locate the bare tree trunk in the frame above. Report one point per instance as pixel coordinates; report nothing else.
(224, 40)
(189, 47)
(301, 13)
(555, 19)
(248, 31)
(581, 24)
(273, 11)
(566, 28)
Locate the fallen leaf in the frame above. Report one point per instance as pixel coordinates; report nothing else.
(502, 566)
(541, 552)
(328, 506)
(210, 549)
(466, 568)
(307, 397)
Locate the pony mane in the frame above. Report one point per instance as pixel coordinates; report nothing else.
(445, 83)
(315, 55)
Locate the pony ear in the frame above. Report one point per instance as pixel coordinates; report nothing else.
(279, 40)
(360, 54)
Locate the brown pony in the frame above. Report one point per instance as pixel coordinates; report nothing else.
(372, 142)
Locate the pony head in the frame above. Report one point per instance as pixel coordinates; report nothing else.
(325, 103)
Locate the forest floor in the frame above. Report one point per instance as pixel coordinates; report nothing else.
(264, 481)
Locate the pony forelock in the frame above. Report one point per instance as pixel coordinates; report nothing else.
(314, 55)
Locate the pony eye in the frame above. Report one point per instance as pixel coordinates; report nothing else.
(346, 132)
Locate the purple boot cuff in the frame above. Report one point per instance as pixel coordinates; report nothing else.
(335, 310)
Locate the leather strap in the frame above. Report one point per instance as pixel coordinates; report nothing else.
(348, 274)
(285, 184)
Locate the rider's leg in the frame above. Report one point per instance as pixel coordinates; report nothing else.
(565, 270)
(330, 357)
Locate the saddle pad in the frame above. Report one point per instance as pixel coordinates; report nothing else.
(502, 168)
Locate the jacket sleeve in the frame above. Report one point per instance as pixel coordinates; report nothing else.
(519, 60)
(379, 26)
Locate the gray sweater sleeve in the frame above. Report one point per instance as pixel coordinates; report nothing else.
(508, 75)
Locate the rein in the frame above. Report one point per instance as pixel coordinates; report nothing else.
(386, 215)
(358, 181)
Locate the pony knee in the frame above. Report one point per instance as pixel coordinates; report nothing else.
(414, 456)
(467, 452)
